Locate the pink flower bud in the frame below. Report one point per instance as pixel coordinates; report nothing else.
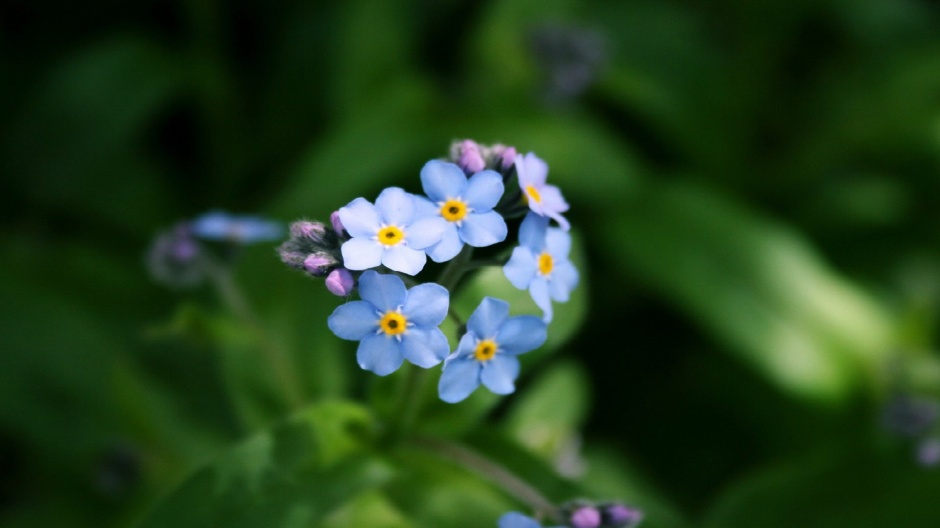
(337, 224)
(340, 282)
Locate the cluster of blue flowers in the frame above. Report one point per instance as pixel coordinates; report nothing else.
(468, 201)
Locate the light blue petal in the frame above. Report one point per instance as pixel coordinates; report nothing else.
(539, 292)
(404, 259)
(467, 343)
(521, 334)
(353, 320)
(426, 304)
(449, 246)
(483, 229)
(517, 520)
(484, 189)
(531, 170)
(396, 206)
(460, 378)
(521, 268)
(425, 207)
(380, 353)
(360, 218)
(442, 181)
(558, 243)
(361, 253)
(499, 374)
(532, 232)
(426, 231)
(486, 319)
(385, 292)
(425, 347)
(564, 278)
(552, 199)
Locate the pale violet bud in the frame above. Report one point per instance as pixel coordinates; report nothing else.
(340, 282)
(291, 257)
(470, 158)
(337, 224)
(620, 516)
(313, 231)
(503, 156)
(319, 264)
(585, 517)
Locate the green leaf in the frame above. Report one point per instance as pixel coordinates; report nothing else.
(290, 476)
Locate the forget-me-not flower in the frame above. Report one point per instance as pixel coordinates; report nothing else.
(543, 199)
(518, 520)
(465, 204)
(224, 227)
(487, 352)
(392, 232)
(540, 264)
(393, 324)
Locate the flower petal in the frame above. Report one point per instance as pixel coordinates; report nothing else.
(552, 199)
(353, 320)
(521, 268)
(442, 181)
(484, 189)
(385, 292)
(539, 292)
(361, 253)
(521, 334)
(360, 218)
(425, 207)
(532, 232)
(404, 259)
(380, 354)
(517, 520)
(564, 278)
(483, 229)
(396, 206)
(448, 247)
(460, 378)
(467, 343)
(532, 170)
(499, 374)
(558, 243)
(486, 319)
(426, 304)
(426, 231)
(424, 347)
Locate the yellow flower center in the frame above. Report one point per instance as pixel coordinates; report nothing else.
(393, 323)
(485, 350)
(546, 263)
(391, 235)
(454, 210)
(531, 193)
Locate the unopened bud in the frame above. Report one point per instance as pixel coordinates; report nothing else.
(469, 157)
(340, 282)
(620, 516)
(319, 264)
(313, 231)
(337, 224)
(585, 517)
(503, 156)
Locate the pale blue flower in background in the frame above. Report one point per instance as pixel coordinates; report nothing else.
(242, 229)
(393, 324)
(541, 265)
(465, 204)
(518, 520)
(392, 233)
(487, 352)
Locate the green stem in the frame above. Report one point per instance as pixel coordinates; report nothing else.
(277, 359)
(499, 475)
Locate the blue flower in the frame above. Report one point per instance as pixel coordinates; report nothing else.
(466, 206)
(224, 227)
(393, 324)
(540, 264)
(543, 199)
(487, 352)
(517, 520)
(391, 232)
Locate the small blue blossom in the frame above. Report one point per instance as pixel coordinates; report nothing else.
(392, 233)
(487, 352)
(465, 204)
(224, 227)
(543, 199)
(393, 324)
(540, 264)
(517, 520)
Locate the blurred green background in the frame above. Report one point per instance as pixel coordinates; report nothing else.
(754, 190)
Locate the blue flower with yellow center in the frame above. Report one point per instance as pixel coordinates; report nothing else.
(540, 264)
(465, 204)
(487, 352)
(393, 324)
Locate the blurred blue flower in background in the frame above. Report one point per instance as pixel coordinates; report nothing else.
(517, 520)
(219, 226)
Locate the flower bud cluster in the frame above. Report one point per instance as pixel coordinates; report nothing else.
(314, 247)
(582, 514)
(473, 157)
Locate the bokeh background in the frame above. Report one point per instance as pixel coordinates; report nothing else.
(754, 189)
